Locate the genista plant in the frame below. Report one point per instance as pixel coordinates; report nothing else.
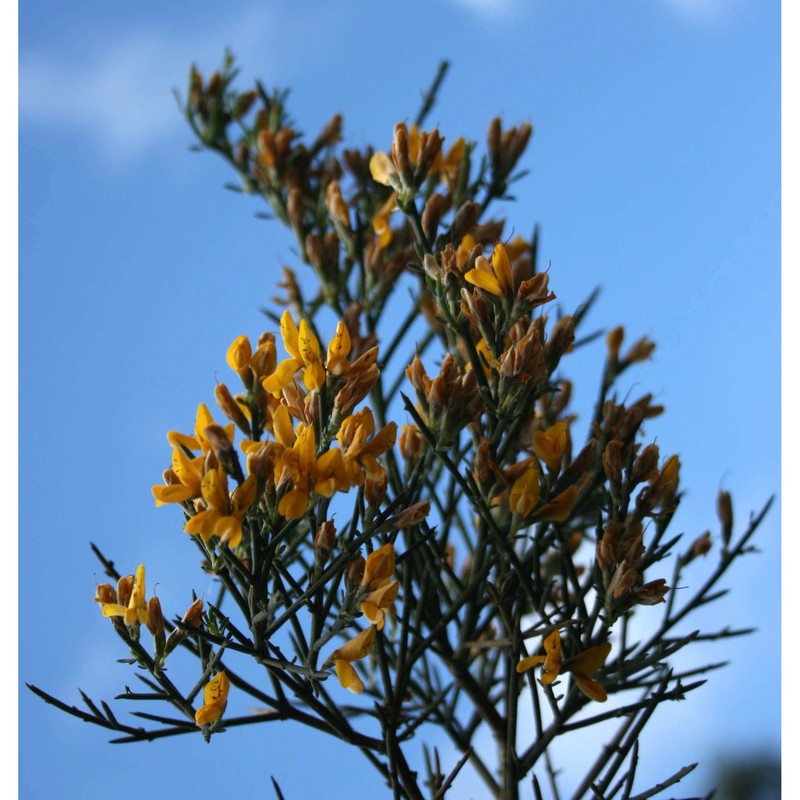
(414, 538)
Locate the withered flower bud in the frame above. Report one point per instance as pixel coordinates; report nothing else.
(105, 594)
(354, 573)
(666, 484)
(432, 215)
(267, 153)
(412, 515)
(194, 614)
(430, 146)
(518, 142)
(652, 593)
(230, 408)
(415, 372)
(323, 542)
(412, 444)
(219, 440)
(465, 221)
(337, 206)
(295, 209)
(195, 87)
(155, 618)
(699, 547)
(193, 617)
(400, 154)
(560, 342)
(725, 514)
(432, 269)
(261, 464)
(493, 138)
(283, 144)
(124, 589)
(645, 468)
(623, 581)
(375, 490)
(214, 84)
(608, 545)
(533, 293)
(330, 134)
(614, 460)
(633, 546)
(640, 351)
(244, 102)
(614, 341)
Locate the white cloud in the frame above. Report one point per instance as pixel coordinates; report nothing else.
(703, 11)
(120, 92)
(489, 8)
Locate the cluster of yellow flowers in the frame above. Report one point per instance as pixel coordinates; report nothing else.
(299, 460)
(377, 593)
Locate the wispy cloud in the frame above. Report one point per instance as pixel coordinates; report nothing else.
(700, 11)
(489, 8)
(119, 93)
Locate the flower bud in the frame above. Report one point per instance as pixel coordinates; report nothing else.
(614, 341)
(645, 468)
(699, 547)
(412, 515)
(614, 460)
(230, 408)
(323, 542)
(652, 593)
(412, 444)
(725, 514)
(124, 589)
(155, 618)
(432, 215)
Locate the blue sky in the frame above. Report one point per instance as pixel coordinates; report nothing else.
(655, 173)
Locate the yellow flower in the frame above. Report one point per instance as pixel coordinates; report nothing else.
(524, 494)
(495, 278)
(551, 659)
(550, 445)
(586, 664)
(215, 698)
(136, 608)
(184, 479)
(223, 513)
(336, 362)
(380, 222)
(359, 455)
(381, 168)
(581, 666)
(353, 650)
(376, 581)
(300, 465)
(560, 507)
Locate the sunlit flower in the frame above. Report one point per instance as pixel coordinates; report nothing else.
(495, 277)
(215, 698)
(581, 667)
(353, 650)
(377, 582)
(359, 452)
(113, 604)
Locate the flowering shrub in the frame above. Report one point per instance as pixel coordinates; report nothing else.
(483, 562)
